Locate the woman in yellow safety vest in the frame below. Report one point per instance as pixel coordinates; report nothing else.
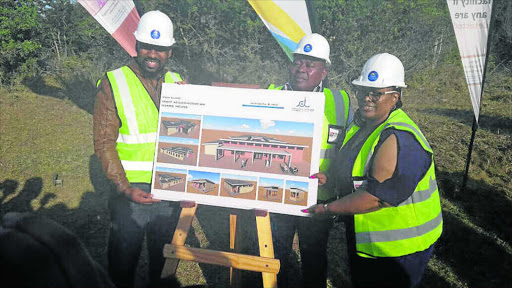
(385, 178)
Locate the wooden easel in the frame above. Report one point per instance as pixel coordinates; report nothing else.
(265, 263)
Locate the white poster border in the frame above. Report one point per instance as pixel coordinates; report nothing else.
(282, 107)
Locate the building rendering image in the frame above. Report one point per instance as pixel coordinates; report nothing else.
(179, 126)
(271, 192)
(297, 194)
(167, 181)
(179, 153)
(203, 185)
(235, 187)
(256, 147)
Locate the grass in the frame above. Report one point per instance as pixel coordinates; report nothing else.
(46, 129)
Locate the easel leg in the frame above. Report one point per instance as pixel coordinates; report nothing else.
(235, 275)
(266, 247)
(180, 235)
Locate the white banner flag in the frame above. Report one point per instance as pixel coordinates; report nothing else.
(118, 17)
(471, 20)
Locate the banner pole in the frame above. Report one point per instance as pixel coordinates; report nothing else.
(468, 158)
(475, 122)
(312, 16)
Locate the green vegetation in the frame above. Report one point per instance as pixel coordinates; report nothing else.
(49, 65)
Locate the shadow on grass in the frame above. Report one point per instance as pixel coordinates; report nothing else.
(89, 222)
(493, 124)
(480, 255)
(22, 202)
(484, 205)
(215, 226)
(79, 89)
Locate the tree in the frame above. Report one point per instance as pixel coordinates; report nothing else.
(19, 25)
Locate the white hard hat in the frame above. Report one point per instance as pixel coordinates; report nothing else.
(314, 45)
(380, 71)
(155, 28)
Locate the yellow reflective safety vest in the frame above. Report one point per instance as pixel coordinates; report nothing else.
(139, 122)
(336, 112)
(412, 226)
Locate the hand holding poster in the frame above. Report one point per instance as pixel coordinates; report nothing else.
(239, 148)
(118, 17)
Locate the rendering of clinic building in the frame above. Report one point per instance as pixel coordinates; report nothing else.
(180, 126)
(235, 186)
(297, 194)
(179, 153)
(167, 181)
(256, 147)
(203, 185)
(270, 192)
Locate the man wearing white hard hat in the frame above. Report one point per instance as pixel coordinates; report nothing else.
(385, 177)
(125, 130)
(308, 73)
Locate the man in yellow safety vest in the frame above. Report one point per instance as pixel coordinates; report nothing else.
(308, 72)
(125, 131)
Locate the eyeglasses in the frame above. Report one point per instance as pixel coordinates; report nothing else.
(374, 95)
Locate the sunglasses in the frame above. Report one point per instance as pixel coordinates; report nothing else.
(373, 94)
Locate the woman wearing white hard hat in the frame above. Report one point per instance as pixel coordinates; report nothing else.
(385, 177)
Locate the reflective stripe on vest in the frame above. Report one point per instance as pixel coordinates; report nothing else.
(414, 224)
(336, 112)
(139, 120)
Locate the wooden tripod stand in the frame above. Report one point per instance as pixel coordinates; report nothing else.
(265, 263)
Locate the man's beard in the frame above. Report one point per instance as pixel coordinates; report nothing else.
(151, 74)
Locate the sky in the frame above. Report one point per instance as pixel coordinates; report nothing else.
(255, 126)
(271, 182)
(296, 184)
(193, 175)
(171, 170)
(239, 177)
(181, 116)
(169, 139)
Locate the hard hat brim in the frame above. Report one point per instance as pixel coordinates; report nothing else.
(153, 42)
(364, 83)
(327, 61)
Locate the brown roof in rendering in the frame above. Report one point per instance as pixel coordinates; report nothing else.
(236, 182)
(202, 181)
(179, 149)
(168, 178)
(258, 139)
(185, 124)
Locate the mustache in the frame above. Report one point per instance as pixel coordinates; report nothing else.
(152, 59)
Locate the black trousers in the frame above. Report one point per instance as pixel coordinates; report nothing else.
(313, 236)
(130, 221)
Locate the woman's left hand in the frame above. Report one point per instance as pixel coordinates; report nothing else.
(316, 210)
(322, 178)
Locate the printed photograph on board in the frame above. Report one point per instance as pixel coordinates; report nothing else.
(203, 183)
(238, 186)
(258, 145)
(270, 189)
(174, 150)
(170, 179)
(180, 125)
(296, 193)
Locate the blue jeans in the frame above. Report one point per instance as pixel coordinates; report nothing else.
(313, 236)
(130, 221)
